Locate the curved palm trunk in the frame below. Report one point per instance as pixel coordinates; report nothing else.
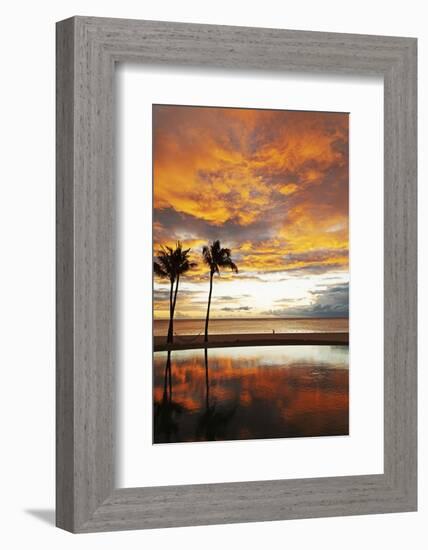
(208, 308)
(171, 315)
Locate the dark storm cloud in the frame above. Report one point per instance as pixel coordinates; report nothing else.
(170, 224)
(330, 301)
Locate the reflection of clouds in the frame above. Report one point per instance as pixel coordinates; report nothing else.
(279, 356)
(272, 391)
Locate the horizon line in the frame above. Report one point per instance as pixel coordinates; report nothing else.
(250, 318)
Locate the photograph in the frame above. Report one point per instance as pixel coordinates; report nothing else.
(251, 273)
(211, 311)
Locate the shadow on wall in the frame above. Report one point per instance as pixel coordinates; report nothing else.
(43, 514)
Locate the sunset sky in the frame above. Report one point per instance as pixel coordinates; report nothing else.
(273, 187)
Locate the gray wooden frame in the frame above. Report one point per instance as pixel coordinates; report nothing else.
(87, 50)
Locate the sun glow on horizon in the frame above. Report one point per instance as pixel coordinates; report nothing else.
(270, 185)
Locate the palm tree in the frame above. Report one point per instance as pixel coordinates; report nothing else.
(171, 264)
(215, 257)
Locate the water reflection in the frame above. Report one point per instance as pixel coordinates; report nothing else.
(166, 411)
(250, 393)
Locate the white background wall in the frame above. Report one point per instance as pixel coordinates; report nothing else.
(27, 272)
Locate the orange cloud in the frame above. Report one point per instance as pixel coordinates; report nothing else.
(272, 185)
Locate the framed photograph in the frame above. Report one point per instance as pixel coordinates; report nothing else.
(258, 209)
(236, 274)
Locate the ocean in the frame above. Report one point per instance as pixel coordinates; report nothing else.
(252, 326)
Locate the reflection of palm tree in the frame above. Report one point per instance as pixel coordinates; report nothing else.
(207, 382)
(166, 421)
(215, 257)
(166, 411)
(170, 264)
(212, 422)
(168, 377)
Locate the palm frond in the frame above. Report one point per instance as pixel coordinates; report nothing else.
(216, 257)
(159, 270)
(206, 254)
(227, 262)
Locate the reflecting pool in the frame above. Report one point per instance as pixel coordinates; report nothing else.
(250, 393)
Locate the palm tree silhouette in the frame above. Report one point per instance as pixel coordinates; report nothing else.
(215, 257)
(171, 264)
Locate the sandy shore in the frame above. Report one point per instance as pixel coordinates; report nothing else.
(237, 340)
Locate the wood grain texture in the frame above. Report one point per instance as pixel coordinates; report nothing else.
(64, 276)
(87, 49)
